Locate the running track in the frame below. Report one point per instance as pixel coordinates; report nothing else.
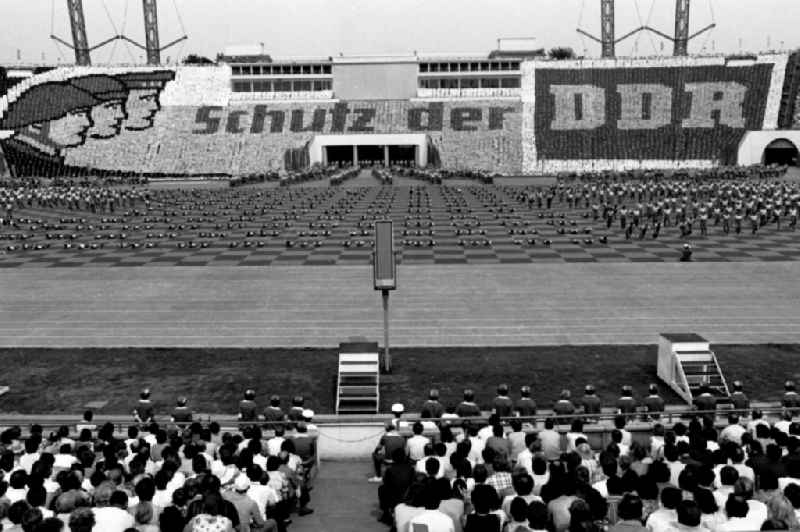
(436, 305)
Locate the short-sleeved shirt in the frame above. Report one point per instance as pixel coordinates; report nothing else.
(390, 442)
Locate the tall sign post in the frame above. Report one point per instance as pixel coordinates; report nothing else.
(384, 271)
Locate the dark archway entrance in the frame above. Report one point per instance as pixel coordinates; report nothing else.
(782, 152)
(370, 155)
(402, 155)
(339, 155)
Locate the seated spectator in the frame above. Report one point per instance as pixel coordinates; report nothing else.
(661, 520)
(413, 505)
(629, 515)
(431, 518)
(452, 498)
(711, 515)
(523, 489)
(111, 513)
(781, 515)
(689, 517)
(518, 516)
(537, 516)
(484, 519)
(211, 516)
(737, 511)
(757, 511)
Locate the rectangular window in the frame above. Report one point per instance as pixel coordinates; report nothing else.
(301, 85)
(515, 66)
(242, 86)
(484, 66)
(423, 67)
(495, 66)
(453, 67)
(236, 71)
(434, 67)
(463, 67)
(286, 69)
(326, 69)
(316, 69)
(306, 69)
(262, 86)
(490, 83)
(296, 69)
(474, 67)
(509, 83)
(450, 83)
(282, 85)
(322, 84)
(246, 70)
(469, 83)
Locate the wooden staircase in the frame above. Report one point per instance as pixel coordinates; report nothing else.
(358, 383)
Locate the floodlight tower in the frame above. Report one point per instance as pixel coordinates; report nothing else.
(681, 27)
(152, 45)
(607, 38)
(79, 39)
(607, 28)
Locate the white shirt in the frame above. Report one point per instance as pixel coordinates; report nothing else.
(26, 461)
(274, 445)
(263, 495)
(415, 446)
(661, 520)
(476, 450)
(13, 495)
(420, 467)
(63, 461)
(112, 519)
(733, 433)
(434, 520)
(162, 498)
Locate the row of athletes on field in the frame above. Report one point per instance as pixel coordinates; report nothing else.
(687, 205)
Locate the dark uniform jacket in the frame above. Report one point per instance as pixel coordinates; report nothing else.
(503, 406)
(432, 409)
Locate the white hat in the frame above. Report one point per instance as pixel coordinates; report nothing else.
(242, 483)
(308, 414)
(397, 408)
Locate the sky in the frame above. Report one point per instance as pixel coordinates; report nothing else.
(320, 28)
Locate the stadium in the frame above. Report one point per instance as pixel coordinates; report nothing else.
(334, 259)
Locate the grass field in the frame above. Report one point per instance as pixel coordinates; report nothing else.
(63, 380)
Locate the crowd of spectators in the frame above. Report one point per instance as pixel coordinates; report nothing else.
(514, 475)
(179, 476)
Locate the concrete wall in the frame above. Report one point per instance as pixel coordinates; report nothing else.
(375, 81)
(751, 149)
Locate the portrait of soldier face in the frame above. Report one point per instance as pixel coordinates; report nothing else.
(141, 108)
(70, 130)
(107, 119)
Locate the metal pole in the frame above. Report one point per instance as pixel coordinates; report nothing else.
(387, 358)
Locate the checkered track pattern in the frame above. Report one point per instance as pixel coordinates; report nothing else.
(491, 205)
